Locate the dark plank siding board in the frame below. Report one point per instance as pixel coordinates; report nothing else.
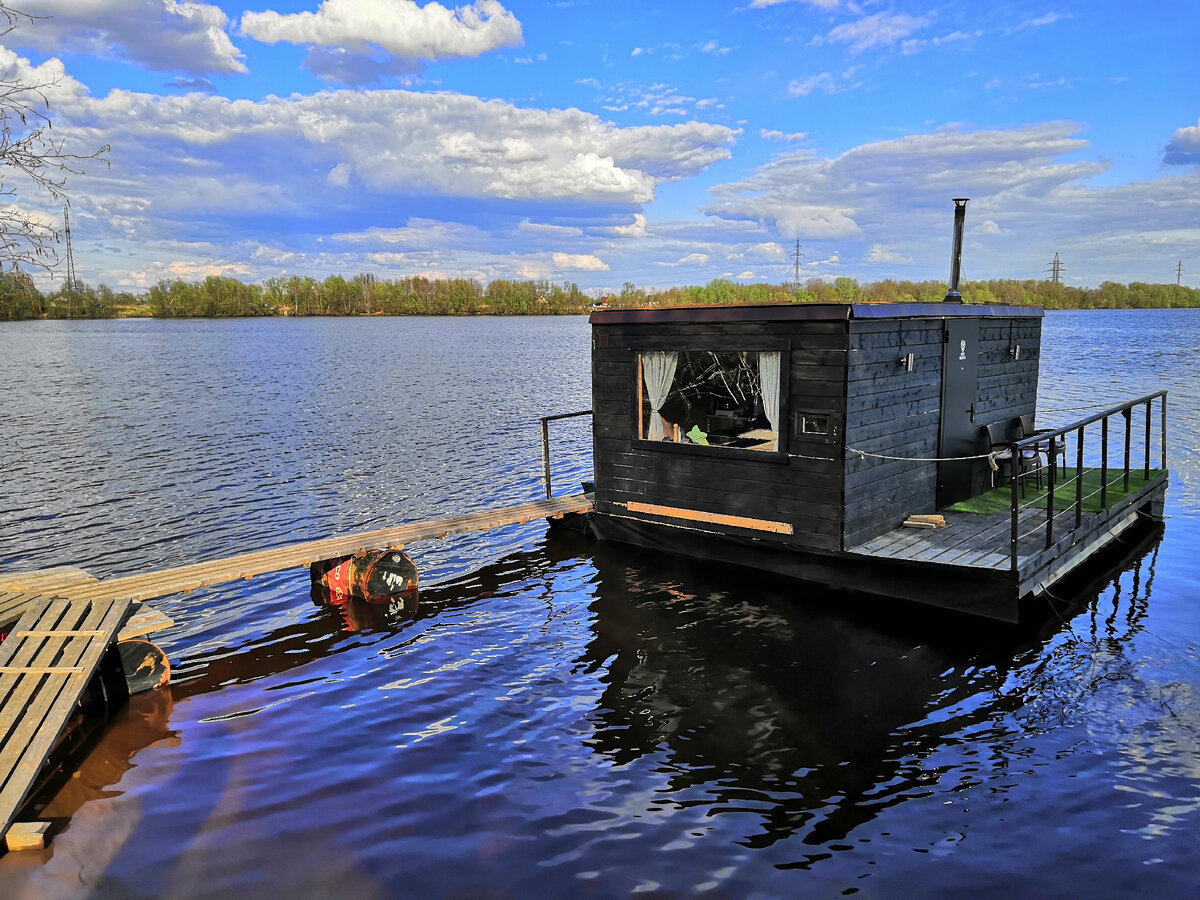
(806, 487)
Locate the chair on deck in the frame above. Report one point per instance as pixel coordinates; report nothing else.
(1001, 436)
(1051, 448)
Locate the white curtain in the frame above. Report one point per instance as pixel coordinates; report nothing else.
(768, 377)
(658, 371)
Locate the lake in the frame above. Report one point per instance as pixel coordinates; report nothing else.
(558, 717)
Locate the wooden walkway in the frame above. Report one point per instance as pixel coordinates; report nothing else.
(247, 565)
(45, 664)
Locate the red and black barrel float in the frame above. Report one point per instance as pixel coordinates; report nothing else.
(375, 575)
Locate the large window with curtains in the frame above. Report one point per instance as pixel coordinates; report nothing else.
(727, 400)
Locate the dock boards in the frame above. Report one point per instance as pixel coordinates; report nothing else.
(46, 662)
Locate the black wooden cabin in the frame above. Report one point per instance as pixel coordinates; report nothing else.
(866, 393)
(737, 432)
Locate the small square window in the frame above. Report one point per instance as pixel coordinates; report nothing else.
(813, 423)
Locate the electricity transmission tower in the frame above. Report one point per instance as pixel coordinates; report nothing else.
(1178, 273)
(796, 255)
(70, 285)
(1056, 268)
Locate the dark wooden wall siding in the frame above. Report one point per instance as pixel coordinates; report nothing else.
(891, 412)
(806, 493)
(1007, 386)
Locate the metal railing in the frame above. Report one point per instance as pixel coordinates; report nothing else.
(546, 420)
(1054, 441)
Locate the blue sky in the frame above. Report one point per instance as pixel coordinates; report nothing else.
(612, 142)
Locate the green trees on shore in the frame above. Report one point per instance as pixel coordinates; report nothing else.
(365, 294)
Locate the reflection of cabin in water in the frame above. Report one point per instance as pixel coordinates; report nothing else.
(737, 432)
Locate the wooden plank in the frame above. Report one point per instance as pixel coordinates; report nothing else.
(56, 578)
(248, 565)
(695, 515)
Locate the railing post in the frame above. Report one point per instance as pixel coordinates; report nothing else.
(1104, 463)
(1050, 484)
(546, 453)
(1149, 404)
(1164, 432)
(1079, 477)
(1128, 414)
(1014, 535)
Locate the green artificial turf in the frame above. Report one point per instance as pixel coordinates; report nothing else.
(1000, 499)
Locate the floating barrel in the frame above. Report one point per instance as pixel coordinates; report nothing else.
(376, 575)
(145, 665)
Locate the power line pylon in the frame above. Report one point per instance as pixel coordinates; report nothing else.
(1056, 268)
(1178, 273)
(796, 255)
(70, 285)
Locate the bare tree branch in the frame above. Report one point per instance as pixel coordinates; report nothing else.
(28, 150)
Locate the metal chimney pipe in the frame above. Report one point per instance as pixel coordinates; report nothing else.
(960, 217)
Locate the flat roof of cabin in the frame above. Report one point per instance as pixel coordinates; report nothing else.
(786, 312)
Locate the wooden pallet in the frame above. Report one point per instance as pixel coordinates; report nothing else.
(45, 664)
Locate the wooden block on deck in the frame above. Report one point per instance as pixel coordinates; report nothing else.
(27, 836)
(144, 621)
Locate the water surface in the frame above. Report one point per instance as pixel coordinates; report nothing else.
(559, 717)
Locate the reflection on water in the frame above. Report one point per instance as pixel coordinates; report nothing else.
(557, 717)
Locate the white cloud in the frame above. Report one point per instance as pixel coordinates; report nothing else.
(1184, 147)
(894, 197)
(881, 254)
(399, 141)
(988, 227)
(582, 261)
(745, 276)
(163, 35)
(636, 229)
(880, 30)
(769, 249)
(714, 48)
(399, 28)
(776, 135)
(825, 82)
(541, 228)
(820, 4)
(1048, 19)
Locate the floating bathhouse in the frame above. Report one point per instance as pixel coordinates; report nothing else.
(804, 438)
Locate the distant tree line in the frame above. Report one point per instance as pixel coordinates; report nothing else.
(416, 296)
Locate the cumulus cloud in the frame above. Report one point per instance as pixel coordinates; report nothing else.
(894, 197)
(1184, 147)
(881, 254)
(583, 261)
(163, 35)
(636, 229)
(399, 142)
(400, 29)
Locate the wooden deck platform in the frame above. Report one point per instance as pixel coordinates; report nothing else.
(982, 542)
(45, 664)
